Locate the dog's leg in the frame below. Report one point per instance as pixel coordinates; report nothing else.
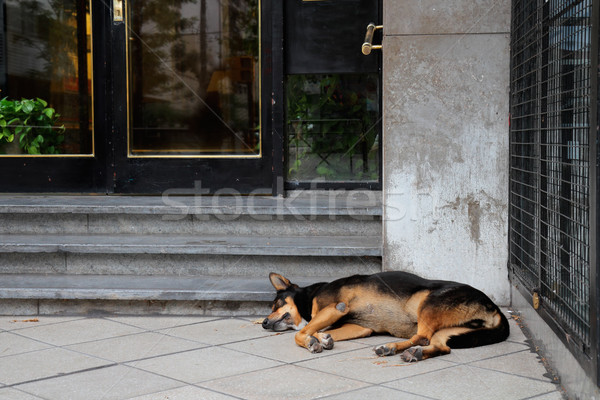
(438, 346)
(412, 350)
(428, 323)
(349, 331)
(311, 338)
(395, 347)
(436, 319)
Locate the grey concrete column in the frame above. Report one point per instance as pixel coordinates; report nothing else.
(445, 158)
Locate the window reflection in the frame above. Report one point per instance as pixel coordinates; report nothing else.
(46, 45)
(193, 76)
(333, 127)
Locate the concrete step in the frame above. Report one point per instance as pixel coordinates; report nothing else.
(150, 224)
(316, 214)
(131, 287)
(40, 294)
(144, 224)
(184, 264)
(191, 244)
(130, 253)
(304, 203)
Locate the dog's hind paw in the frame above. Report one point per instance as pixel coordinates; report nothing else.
(383, 350)
(413, 354)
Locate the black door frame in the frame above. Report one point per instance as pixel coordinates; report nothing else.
(274, 41)
(279, 57)
(109, 171)
(186, 175)
(73, 173)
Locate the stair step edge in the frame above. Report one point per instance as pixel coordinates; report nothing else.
(136, 287)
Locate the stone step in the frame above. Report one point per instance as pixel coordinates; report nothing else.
(133, 287)
(193, 244)
(302, 203)
(318, 214)
(189, 254)
(39, 294)
(184, 264)
(142, 224)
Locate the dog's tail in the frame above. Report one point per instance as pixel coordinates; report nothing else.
(482, 336)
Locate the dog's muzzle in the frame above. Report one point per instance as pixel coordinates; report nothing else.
(276, 325)
(266, 324)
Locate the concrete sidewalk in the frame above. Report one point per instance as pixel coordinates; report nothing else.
(176, 358)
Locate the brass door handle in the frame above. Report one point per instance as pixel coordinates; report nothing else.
(117, 10)
(368, 44)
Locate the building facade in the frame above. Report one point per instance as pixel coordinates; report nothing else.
(268, 99)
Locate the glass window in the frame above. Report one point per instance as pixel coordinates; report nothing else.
(194, 78)
(46, 78)
(333, 124)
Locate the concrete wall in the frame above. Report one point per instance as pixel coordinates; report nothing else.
(446, 96)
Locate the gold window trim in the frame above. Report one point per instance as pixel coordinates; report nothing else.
(195, 156)
(93, 131)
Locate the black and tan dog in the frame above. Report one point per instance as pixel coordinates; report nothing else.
(434, 315)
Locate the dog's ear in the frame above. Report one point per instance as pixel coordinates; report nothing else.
(279, 282)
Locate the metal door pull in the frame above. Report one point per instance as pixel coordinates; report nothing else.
(117, 10)
(368, 45)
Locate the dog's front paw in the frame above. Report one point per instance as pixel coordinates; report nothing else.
(384, 350)
(326, 341)
(314, 346)
(413, 354)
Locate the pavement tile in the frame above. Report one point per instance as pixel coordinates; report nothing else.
(377, 392)
(289, 382)
(219, 331)
(204, 364)
(282, 347)
(11, 344)
(364, 365)
(14, 394)
(10, 323)
(135, 347)
(44, 363)
(465, 382)
(180, 358)
(555, 395)
(152, 323)
(516, 334)
(112, 383)
(78, 331)
(484, 352)
(524, 363)
(185, 393)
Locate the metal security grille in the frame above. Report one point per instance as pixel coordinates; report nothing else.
(551, 98)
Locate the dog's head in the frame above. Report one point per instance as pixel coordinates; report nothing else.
(285, 314)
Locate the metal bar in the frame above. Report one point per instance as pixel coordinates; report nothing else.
(276, 94)
(594, 203)
(368, 44)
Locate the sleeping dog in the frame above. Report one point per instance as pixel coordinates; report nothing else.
(433, 315)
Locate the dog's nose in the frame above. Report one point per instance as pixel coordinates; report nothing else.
(265, 323)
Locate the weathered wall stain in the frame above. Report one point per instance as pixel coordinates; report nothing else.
(479, 207)
(474, 211)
